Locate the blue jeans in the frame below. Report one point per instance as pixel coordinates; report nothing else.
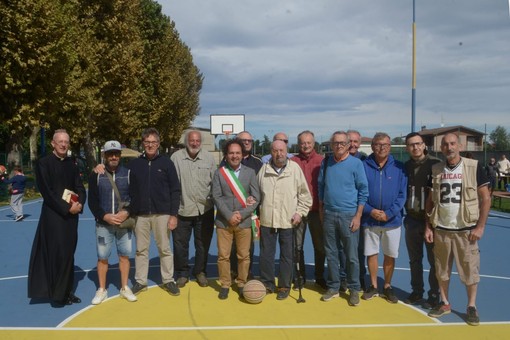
(202, 227)
(106, 235)
(338, 235)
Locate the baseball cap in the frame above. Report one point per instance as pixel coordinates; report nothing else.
(112, 145)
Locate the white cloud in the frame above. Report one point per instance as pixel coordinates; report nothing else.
(326, 65)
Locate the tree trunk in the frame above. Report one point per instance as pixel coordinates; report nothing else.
(90, 154)
(14, 150)
(33, 145)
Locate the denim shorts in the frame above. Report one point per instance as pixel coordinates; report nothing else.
(107, 235)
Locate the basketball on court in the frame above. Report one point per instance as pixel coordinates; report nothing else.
(254, 291)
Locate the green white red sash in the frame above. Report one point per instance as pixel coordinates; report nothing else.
(239, 192)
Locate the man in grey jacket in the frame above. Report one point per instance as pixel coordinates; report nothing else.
(235, 192)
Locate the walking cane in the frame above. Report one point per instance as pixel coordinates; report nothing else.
(297, 259)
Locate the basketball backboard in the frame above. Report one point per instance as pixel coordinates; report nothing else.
(227, 124)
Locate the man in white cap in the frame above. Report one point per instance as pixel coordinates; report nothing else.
(104, 204)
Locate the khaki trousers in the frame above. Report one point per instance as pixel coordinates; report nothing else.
(158, 224)
(243, 243)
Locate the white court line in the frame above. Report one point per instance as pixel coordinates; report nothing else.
(39, 200)
(37, 220)
(205, 328)
(210, 264)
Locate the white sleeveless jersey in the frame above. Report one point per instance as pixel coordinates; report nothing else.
(450, 198)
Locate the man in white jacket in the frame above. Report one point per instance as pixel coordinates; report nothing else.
(285, 199)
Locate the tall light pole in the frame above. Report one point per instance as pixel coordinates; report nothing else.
(413, 109)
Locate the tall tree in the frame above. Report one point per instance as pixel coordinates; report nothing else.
(33, 63)
(500, 139)
(173, 84)
(102, 69)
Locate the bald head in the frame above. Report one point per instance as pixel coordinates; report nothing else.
(279, 153)
(281, 136)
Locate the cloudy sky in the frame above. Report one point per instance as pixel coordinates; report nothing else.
(327, 65)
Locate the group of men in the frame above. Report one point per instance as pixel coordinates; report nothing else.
(352, 204)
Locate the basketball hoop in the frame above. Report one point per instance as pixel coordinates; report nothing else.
(227, 133)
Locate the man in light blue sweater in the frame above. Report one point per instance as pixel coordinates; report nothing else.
(343, 191)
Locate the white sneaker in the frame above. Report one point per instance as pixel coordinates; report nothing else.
(126, 293)
(101, 295)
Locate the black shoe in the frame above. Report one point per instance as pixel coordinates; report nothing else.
(73, 299)
(472, 317)
(283, 293)
(370, 293)
(61, 303)
(432, 302)
(414, 299)
(270, 289)
(19, 218)
(181, 282)
(343, 286)
(223, 293)
(389, 294)
(240, 291)
(297, 286)
(321, 283)
(202, 280)
(138, 287)
(172, 289)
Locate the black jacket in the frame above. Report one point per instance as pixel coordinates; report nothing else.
(155, 187)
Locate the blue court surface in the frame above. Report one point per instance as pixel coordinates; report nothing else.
(18, 313)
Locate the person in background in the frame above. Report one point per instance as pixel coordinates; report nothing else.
(281, 136)
(17, 182)
(492, 173)
(355, 139)
(503, 170)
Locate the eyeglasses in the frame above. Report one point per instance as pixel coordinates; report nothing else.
(414, 145)
(150, 142)
(246, 141)
(382, 146)
(337, 144)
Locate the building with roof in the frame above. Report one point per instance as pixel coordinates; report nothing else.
(471, 139)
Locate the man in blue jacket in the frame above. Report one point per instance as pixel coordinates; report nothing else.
(383, 212)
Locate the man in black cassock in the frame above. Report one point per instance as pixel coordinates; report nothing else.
(51, 269)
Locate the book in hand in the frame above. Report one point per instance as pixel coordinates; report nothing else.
(70, 196)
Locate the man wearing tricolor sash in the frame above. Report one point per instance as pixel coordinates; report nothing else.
(235, 192)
